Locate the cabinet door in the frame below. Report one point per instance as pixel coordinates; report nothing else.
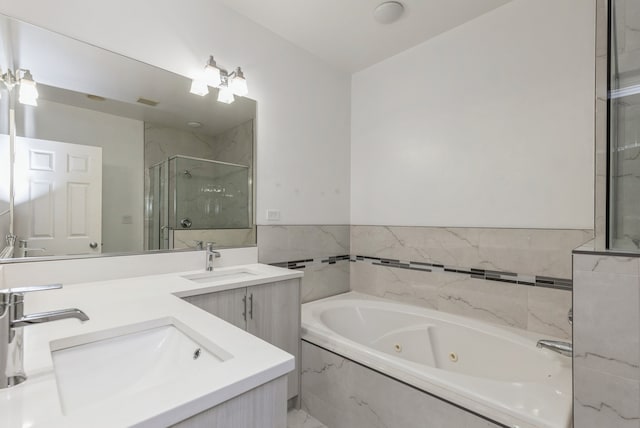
(275, 318)
(228, 305)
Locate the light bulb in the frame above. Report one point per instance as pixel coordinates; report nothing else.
(199, 87)
(28, 91)
(239, 83)
(225, 95)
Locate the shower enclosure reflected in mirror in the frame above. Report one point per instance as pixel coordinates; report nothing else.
(118, 156)
(189, 193)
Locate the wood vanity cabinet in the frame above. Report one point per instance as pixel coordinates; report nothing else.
(269, 311)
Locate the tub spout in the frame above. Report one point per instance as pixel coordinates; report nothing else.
(564, 348)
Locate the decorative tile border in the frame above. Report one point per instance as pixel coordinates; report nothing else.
(488, 275)
(304, 263)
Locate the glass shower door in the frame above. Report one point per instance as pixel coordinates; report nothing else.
(624, 125)
(210, 194)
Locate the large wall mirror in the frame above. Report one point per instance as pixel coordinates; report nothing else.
(117, 156)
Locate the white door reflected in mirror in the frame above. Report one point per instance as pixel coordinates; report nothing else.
(58, 197)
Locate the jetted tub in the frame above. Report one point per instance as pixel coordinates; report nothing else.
(496, 372)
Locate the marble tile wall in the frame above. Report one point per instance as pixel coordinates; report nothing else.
(234, 145)
(343, 394)
(309, 246)
(606, 340)
(301, 419)
(527, 252)
(220, 237)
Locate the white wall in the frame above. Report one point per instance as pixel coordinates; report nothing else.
(122, 142)
(487, 125)
(303, 104)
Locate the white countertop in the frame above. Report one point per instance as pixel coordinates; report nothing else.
(118, 304)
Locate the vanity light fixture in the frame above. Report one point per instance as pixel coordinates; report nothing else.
(225, 95)
(238, 83)
(227, 83)
(199, 87)
(28, 92)
(212, 73)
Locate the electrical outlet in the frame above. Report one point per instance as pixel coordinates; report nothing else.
(273, 215)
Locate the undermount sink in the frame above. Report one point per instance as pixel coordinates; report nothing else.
(128, 363)
(223, 275)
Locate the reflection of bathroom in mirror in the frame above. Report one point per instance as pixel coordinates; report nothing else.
(118, 156)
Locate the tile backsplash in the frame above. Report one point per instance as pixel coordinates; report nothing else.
(304, 247)
(542, 252)
(515, 277)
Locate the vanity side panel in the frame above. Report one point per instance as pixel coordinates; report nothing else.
(262, 407)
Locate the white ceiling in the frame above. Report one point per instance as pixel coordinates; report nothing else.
(344, 32)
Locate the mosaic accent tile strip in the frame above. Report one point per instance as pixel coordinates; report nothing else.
(304, 263)
(488, 275)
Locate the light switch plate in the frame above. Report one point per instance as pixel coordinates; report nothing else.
(273, 215)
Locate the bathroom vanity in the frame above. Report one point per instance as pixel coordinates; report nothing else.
(149, 356)
(268, 311)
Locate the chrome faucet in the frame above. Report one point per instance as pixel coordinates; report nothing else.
(24, 250)
(564, 348)
(211, 255)
(12, 317)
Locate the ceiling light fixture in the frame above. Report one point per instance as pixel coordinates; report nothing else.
(388, 12)
(28, 92)
(227, 83)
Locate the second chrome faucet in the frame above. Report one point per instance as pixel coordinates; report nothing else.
(211, 254)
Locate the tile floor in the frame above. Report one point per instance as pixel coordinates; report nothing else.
(301, 419)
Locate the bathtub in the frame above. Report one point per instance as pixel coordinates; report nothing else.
(495, 372)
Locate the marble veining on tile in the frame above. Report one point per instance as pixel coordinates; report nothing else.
(602, 400)
(220, 237)
(542, 310)
(301, 419)
(607, 321)
(344, 394)
(299, 242)
(528, 251)
(321, 250)
(606, 359)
